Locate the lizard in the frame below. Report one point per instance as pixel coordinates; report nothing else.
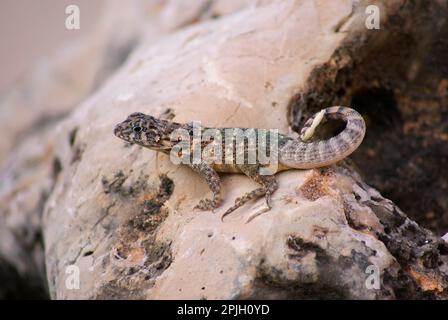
(157, 134)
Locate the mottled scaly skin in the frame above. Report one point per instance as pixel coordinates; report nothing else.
(156, 134)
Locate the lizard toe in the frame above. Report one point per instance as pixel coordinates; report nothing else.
(206, 205)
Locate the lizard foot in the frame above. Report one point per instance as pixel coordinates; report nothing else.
(207, 204)
(245, 198)
(264, 208)
(257, 213)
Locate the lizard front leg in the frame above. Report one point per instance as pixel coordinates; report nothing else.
(207, 172)
(268, 182)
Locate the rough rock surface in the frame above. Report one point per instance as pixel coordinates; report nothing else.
(124, 216)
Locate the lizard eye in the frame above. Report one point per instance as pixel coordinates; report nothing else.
(137, 129)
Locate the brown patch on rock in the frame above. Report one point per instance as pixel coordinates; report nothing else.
(314, 187)
(426, 281)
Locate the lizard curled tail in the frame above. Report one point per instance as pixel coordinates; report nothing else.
(302, 155)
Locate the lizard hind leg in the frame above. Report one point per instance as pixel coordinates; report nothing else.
(214, 184)
(269, 185)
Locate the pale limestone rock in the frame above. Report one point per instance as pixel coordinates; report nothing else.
(288, 245)
(29, 112)
(124, 215)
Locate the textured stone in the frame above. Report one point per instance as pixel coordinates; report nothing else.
(124, 215)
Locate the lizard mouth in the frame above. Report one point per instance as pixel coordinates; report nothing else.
(118, 131)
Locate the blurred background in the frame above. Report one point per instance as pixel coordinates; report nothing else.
(31, 30)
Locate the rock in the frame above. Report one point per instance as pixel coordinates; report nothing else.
(28, 115)
(30, 112)
(123, 215)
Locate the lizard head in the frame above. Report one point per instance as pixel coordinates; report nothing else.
(146, 131)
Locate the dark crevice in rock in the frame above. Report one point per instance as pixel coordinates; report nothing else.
(77, 149)
(30, 241)
(410, 168)
(56, 169)
(72, 136)
(17, 286)
(88, 253)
